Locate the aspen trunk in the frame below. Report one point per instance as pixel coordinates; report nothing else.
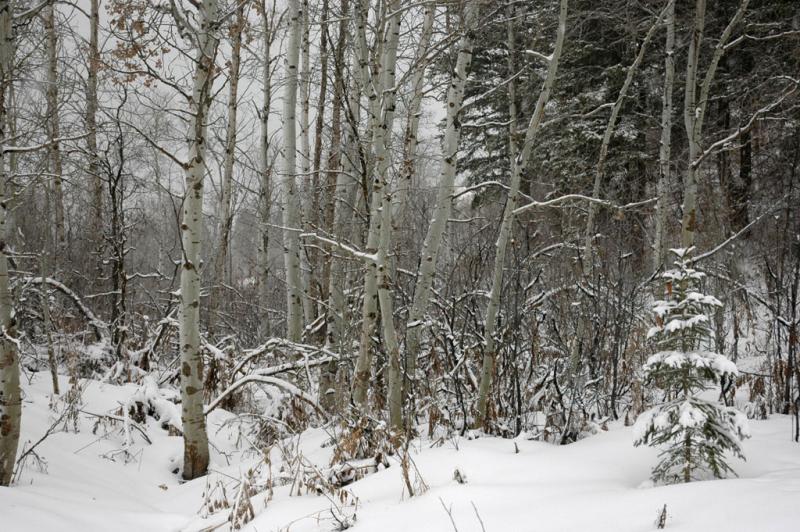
(317, 286)
(291, 201)
(225, 214)
(611, 126)
(195, 455)
(408, 170)
(441, 211)
(694, 109)
(10, 397)
(336, 216)
(382, 194)
(689, 221)
(665, 148)
(53, 131)
(518, 167)
(381, 93)
(91, 129)
(46, 324)
(369, 311)
(264, 192)
(309, 216)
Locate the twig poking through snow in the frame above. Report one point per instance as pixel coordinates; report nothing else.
(483, 528)
(449, 511)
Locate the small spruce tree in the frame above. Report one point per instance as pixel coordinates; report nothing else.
(693, 433)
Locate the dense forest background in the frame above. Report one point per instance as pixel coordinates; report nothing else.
(442, 214)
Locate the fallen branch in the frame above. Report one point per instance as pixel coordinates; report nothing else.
(120, 419)
(263, 379)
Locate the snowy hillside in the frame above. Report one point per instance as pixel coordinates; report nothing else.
(88, 481)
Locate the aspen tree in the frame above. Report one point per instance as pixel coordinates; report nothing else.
(54, 147)
(317, 286)
(91, 130)
(10, 397)
(410, 142)
(518, 167)
(611, 126)
(308, 214)
(665, 146)
(195, 437)
(265, 173)
(291, 200)
(337, 215)
(694, 109)
(441, 211)
(382, 207)
(372, 86)
(225, 221)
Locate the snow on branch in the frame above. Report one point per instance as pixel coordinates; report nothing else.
(568, 197)
(725, 142)
(264, 379)
(100, 327)
(370, 257)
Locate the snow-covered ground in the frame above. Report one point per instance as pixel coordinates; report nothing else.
(598, 484)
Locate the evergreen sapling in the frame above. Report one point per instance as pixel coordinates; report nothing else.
(693, 433)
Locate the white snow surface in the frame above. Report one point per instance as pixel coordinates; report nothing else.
(598, 484)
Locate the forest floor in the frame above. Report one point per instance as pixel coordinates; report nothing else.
(90, 481)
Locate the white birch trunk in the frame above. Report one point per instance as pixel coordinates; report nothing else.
(195, 455)
(518, 167)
